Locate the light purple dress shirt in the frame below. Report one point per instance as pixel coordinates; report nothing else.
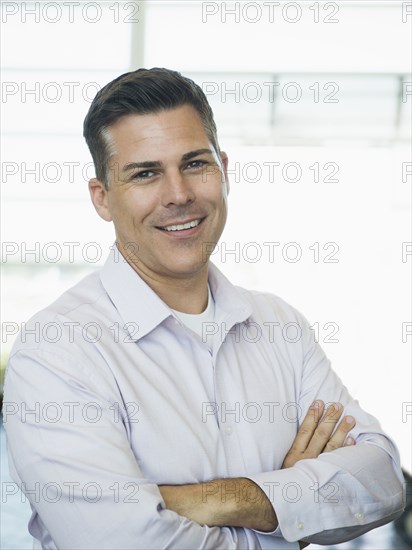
(110, 395)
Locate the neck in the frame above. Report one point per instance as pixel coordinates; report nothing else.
(183, 295)
(188, 294)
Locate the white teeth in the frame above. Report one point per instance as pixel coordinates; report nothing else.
(179, 227)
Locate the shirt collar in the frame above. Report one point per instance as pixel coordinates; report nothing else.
(231, 303)
(135, 301)
(139, 305)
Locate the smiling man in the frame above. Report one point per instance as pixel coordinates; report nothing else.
(154, 420)
(167, 199)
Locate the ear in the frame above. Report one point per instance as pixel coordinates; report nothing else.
(225, 163)
(98, 194)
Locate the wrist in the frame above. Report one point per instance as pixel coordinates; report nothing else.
(238, 502)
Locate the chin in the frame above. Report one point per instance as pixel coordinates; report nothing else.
(188, 269)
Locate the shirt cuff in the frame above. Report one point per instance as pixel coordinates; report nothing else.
(292, 495)
(276, 533)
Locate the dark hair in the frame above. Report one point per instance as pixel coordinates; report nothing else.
(140, 92)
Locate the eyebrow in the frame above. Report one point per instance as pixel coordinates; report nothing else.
(192, 154)
(157, 164)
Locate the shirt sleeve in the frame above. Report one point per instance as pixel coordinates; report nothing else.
(71, 456)
(344, 493)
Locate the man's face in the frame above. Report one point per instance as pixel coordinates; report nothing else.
(164, 174)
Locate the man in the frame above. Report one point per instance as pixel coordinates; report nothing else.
(157, 420)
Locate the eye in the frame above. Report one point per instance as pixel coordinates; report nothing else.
(141, 176)
(196, 164)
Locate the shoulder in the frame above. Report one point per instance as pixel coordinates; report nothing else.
(266, 305)
(85, 302)
(82, 295)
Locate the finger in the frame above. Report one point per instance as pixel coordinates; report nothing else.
(324, 430)
(308, 427)
(340, 435)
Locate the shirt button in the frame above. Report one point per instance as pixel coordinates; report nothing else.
(228, 430)
(359, 516)
(299, 525)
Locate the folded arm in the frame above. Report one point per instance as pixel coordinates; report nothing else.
(326, 481)
(239, 502)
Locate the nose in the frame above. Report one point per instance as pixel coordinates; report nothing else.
(177, 190)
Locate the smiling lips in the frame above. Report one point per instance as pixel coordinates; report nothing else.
(182, 226)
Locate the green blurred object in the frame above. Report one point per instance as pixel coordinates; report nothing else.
(403, 525)
(3, 363)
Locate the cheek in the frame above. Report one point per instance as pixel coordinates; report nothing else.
(214, 192)
(223, 204)
(130, 209)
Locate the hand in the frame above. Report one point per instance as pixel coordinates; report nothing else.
(314, 435)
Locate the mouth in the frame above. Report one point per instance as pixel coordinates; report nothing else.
(182, 228)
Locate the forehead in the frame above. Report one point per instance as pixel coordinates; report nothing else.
(174, 131)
